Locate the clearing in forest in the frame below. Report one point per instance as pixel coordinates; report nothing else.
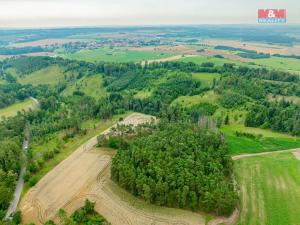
(10, 111)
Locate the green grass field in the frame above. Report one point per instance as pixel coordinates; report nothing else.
(12, 110)
(143, 94)
(2, 81)
(269, 189)
(50, 75)
(270, 141)
(90, 85)
(206, 79)
(280, 63)
(115, 55)
(188, 101)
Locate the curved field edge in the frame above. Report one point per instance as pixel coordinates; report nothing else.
(139, 204)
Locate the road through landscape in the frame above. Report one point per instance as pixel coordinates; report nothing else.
(20, 184)
(13, 206)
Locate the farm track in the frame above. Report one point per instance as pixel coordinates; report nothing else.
(237, 157)
(86, 175)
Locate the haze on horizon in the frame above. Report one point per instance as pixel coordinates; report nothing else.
(63, 13)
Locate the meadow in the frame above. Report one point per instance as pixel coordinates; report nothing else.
(276, 63)
(50, 75)
(12, 110)
(279, 63)
(90, 85)
(143, 94)
(265, 141)
(188, 101)
(115, 55)
(206, 79)
(269, 189)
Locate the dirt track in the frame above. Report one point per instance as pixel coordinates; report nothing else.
(237, 157)
(297, 154)
(86, 174)
(68, 179)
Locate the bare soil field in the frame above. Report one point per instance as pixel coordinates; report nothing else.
(259, 47)
(45, 42)
(86, 175)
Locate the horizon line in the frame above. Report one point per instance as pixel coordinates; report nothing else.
(145, 25)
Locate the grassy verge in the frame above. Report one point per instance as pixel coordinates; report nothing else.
(269, 189)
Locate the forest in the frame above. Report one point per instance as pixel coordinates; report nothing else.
(178, 165)
(179, 140)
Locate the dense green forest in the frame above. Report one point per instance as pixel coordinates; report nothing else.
(152, 89)
(178, 165)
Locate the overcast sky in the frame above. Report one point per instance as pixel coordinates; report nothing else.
(53, 13)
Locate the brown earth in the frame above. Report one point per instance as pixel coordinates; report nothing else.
(259, 47)
(86, 175)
